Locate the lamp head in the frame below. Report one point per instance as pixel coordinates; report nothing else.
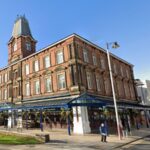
(115, 45)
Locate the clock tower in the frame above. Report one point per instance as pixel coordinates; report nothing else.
(21, 44)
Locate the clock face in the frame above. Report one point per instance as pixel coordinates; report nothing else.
(15, 46)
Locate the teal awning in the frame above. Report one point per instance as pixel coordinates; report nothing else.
(84, 99)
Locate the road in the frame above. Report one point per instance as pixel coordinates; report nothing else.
(142, 144)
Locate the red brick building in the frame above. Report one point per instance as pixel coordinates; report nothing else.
(62, 71)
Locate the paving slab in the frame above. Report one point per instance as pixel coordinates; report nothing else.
(61, 140)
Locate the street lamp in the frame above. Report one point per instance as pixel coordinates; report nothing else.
(114, 45)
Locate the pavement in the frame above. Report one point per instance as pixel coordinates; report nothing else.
(59, 139)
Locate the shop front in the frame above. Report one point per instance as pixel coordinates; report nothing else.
(81, 114)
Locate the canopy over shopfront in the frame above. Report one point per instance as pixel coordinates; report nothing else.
(67, 102)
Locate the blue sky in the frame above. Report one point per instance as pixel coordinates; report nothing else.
(100, 21)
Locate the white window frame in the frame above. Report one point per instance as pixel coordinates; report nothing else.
(121, 70)
(48, 84)
(27, 89)
(0, 94)
(89, 80)
(131, 90)
(85, 55)
(0, 79)
(127, 73)
(6, 77)
(37, 87)
(98, 83)
(60, 57)
(94, 60)
(107, 85)
(115, 68)
(103, 65)
(47, 61)
(5, 94)
(27, 69)
(36, 65)
(127, 90)
(61, 81)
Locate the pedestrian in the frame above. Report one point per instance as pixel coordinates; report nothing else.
(19, 123)
(129, 124)
(9, 123)
(103, 132)
(5, 122)
(137, 123)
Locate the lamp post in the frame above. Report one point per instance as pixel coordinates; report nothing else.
(114, 45)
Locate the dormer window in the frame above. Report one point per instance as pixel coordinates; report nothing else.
(15, 47)
(28, 46)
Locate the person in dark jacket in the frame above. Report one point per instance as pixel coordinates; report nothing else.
(103, 132)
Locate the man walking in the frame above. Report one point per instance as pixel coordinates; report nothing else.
(103, 132)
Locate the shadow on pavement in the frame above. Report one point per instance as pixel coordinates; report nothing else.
(57, 141)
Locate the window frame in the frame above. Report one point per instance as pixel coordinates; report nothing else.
(28, 46)
(103, 63)
(58, 83)
(35, 90)
(115, 67)
(98, 83)
(15, 47)
(94, 60)
(121, 71)
(85, 55)
(0, 79)
(5, 94)
(89, 80)
(27, 72)
(38, 68)
(27, 93)
(57, 54)
(51, 87)
(45, 62)
(5, 77)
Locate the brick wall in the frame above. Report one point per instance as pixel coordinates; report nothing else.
(74, 67)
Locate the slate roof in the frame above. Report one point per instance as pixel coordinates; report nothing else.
(21, 27)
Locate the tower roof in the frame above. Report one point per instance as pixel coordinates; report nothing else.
(21, 27)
